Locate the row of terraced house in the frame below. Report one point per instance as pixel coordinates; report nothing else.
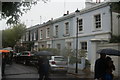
(86, 28)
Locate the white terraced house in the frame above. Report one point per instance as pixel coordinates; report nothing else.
(93, 25)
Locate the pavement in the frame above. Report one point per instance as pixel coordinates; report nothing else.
(81, 73)
(86, 74)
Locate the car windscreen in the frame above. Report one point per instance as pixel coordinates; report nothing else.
(59, 59)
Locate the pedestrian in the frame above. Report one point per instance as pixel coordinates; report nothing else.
(100, 67)
(43, 68)
(110, 68)
(4, 61)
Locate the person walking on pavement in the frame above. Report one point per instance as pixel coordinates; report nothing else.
(4, 61)
(100, 67)
(110, 67)
(43, 68)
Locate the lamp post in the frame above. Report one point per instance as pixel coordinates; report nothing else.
(76, 70)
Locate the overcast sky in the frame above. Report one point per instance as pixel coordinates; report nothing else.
(43, 12)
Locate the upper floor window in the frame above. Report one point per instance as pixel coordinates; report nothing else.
(97, 21)
(30, 36)
(69, 45)
(48, 32)
(56, 30)
(59, 46)
(48, 45)
(23, 38)
(42, 46)
(27, 36)
(34, 35)
(84, 46)
(67, 28)
(80, 25)
(41, 34)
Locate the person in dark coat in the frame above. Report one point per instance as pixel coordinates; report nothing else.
(110, 68)
(100, 67)
(43, 70)
(4, 61)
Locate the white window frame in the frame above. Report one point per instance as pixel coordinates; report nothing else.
(23, 38)
(67, 27)
(48, 32)
(80, 25)
(69, 46)
(27, 33)
(85, 47)
(48, 45)
(30, 36)
(56, 30)
(58, 46)
(41, 34)
(97, 22)
(34, 35)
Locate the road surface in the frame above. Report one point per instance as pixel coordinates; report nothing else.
(23, 72)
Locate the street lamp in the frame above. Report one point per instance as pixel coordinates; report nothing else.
(76, 70)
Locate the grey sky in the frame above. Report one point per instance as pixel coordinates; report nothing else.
(52, 9)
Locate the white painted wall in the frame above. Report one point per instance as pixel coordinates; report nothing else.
(89, 31)
(116, 23)
(88, 21)
(0, 39)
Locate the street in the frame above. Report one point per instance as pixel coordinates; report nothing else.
(20, 71)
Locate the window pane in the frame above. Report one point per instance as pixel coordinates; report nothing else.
(97, 21)
(80, 24)
(84, 45)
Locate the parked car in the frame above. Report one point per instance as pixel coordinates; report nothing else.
(58, 63)
(24, 57)
(15, 55)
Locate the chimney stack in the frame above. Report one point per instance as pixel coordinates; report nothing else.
(89, 3)
(67, 12)
(98, 1)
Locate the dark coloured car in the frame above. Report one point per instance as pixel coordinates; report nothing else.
(24, 57)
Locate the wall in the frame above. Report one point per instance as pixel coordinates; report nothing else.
(0, 39)
(116, 23)
(0, 65)
(88, 21)
(116, 59)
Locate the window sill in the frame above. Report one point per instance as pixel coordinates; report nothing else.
(81, 32)
(65, 35)
(47, 37)
(97, 30)
(55, 36)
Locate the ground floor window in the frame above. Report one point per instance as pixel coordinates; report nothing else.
(69, 45)
(59, 46)
(48, 45)
(83, 45)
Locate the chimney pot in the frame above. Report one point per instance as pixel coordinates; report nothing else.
(67, 12)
